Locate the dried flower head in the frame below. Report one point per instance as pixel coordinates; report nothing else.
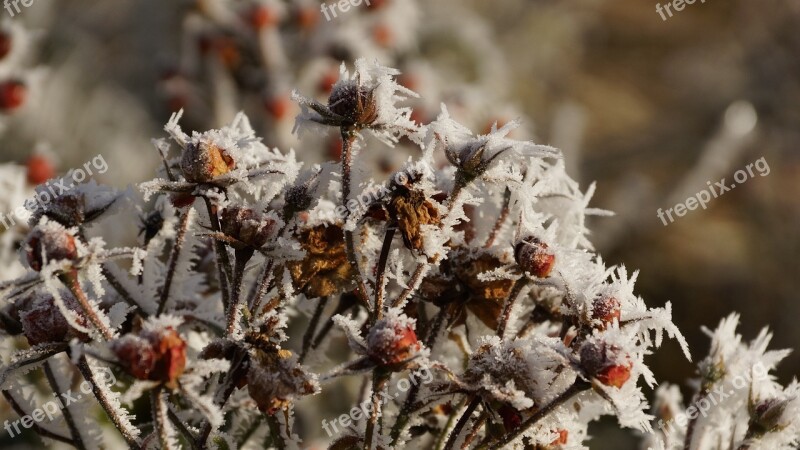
(42, 321)
(247, 227)
(275, 379)
(325, 269)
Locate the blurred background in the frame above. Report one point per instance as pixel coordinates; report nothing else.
(651, 109)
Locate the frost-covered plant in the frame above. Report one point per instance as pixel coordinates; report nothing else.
(471, 262)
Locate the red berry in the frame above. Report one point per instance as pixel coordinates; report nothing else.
(615, 376)
(534, 257)
(606, 310)
(153, 355)
(307, 17)
(562, 437)
(330, 78)
(391, 343)
(40, 169)
(262, 17)
(383, 35)
(5, 44)
(278, 106)
(12, 95)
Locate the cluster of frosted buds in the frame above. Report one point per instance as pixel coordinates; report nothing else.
(202, 162)
(325, 269)
(534, 257)
(606, 363)
(392, 343)
(154, 355)
(50, 242)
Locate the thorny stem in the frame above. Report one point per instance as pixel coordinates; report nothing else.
(242, 257)
(128, 433)
(275, 432)
(115, 283)
(475, 430)
(348, 138)
(223, 392)
(180, 238)
(70, 421)
(519, 285)
(380, 289)
(579, 386)
(265, 285)
(182, 428)
(692, 425)
(501, 219)
(159, 405)
(379, 380)
(70, 279)
(223, 261)
(35, 427)
(308, 336)
(416, 280)
(462, 422)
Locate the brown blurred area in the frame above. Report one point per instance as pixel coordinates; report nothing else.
(652, 96)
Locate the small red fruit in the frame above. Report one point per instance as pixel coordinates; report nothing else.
(533, 256)
(40, 169)
(153, 355)
(563, 435)
(261, 17)
(606, 363)
(12, 95)
(278, 106)
(392, 343)
(383, 35)
(52, 244)
(606, 310)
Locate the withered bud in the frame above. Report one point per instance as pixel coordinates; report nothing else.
(247, 226)
(606, 363)
(355, 103)
(534, 257)
(470, 159)
(152, 355)
(202, 162)
(51, 243)
(42, 321)
(412, 210)
(275, 378)
(768, 415)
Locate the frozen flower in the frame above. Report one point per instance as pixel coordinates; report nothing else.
(275, 379)
(50, 242)
(364, 100)
(325, 269)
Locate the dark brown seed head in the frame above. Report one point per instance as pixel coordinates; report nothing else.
(355, 103)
